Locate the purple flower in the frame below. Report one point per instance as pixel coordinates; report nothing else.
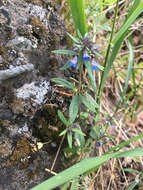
(94, 65)
(73, 62)
(85, 56)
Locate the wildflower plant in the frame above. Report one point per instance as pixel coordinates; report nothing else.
(84, 109)
(83, 55)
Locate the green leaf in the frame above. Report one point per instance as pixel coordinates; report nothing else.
(69, 139)
(92, 101)
(73, 38)
(130, 66)
(131, 170)
(98, 55)
(62, 118)
(110, 136)
(78, 14)
(133, 8)
(83, 115)
(63, 51)
(63, 132)
(78, 131)
(113, 56)
(79, 139)
(63, 82)
(65, 186)
(74, 185)
(65, 66)
(123, 144)
(131, 187)
(95, 132)
(129, 21)
(134, 12)
(73, 109)
(101, 68)
(82, 167)
(90, 75)
(87, 104)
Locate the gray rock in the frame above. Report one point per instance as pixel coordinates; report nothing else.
(1, 59)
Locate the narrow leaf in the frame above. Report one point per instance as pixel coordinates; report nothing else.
(123, 144)
(62, 117)
(130, 66)
(92, 101)
(63, 51)
(90, 75)
(63, 82)
(78, 131)
(87, 104)
(131, 187)
(73, 109)
(69, 139)
(63, 132)
(82, 167)
(79, 139)
(78, 14)
(73, 38)
(74, 185)
(129, 21)
(65, 66)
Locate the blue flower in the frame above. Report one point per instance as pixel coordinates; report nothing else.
(85, 56)
(99, 144)
(94, 65)
(73, 62)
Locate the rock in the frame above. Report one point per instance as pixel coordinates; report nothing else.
(4, 16)
(29, 31)
(1, 59)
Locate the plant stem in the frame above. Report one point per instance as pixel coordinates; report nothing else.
(107, 55)
(80, 83)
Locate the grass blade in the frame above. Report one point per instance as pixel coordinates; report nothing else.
(131, 187)
(130, 66)
(78, 14)
(63, 82)
(82, 167)
(129, 21)
(123, 144)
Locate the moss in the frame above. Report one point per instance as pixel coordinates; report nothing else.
(49, 124)
(23, 150)
(39, 29)
(3, 53)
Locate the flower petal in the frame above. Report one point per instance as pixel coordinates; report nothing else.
(94, 65)
(73, 62)
(86, 56)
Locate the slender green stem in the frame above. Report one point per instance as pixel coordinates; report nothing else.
(80, 84)
(107, 55)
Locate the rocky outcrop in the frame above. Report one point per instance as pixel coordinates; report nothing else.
(29, 31)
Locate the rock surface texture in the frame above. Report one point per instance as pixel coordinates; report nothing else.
(29, 31)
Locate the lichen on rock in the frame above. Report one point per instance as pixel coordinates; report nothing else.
(29, 31)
